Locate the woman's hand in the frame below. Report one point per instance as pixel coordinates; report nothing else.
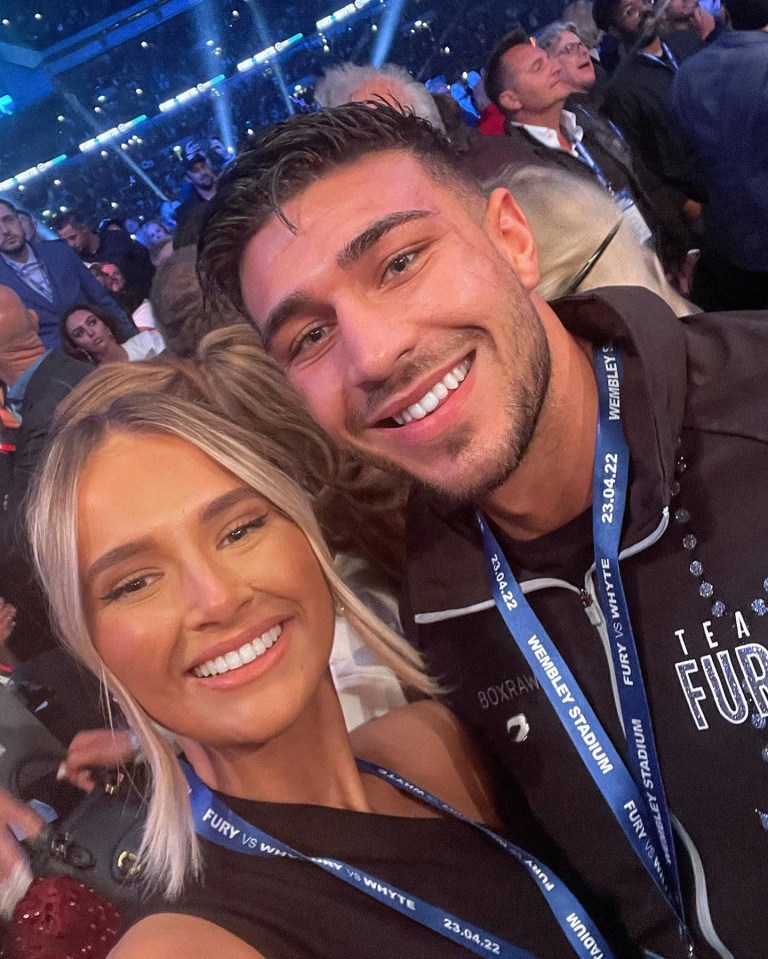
(16, 819)
(95, 748)
(7, 621)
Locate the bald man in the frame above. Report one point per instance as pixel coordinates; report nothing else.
(36, 379)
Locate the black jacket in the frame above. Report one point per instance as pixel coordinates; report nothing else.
(699, 383)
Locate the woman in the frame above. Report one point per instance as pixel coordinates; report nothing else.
(89, 331)
(159, 240)
(198, 587)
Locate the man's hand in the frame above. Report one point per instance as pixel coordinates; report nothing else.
(95, 748)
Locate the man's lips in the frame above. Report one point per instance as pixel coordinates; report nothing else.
(450, 376)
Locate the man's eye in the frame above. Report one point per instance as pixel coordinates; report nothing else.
(308, 340)
(242, 530)
(400, 263)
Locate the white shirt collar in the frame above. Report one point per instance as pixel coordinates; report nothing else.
(548, 136)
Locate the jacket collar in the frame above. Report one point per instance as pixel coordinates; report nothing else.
(653, 344)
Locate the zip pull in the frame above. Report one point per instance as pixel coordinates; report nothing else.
(590, 607)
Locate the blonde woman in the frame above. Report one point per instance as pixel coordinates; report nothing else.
(186, 568)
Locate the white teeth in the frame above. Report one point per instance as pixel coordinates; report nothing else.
(434, 397)
(237, 658)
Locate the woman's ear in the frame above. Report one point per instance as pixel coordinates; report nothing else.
(508, 228)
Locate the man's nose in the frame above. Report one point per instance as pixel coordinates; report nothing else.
(374, 341)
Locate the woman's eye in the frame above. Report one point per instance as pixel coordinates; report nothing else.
(241, 531)
(127, 587)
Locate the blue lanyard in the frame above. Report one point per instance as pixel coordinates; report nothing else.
(637, 801)
(586, 157)
(217, 823)
(670, 62)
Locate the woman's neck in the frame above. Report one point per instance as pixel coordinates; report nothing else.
(311, 762)
(114, 353)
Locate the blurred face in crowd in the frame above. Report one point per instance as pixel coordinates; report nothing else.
(77, 235)
(156, 233)
(201, 175)
(533, 79)
(408, 328)
(680, 11)
(29, 226)
(112, 278)
(630, 19)
(89, 333)
(12, 239)
(576, 67)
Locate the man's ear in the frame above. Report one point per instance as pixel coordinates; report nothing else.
(508, 228)
(34, 320)
(509, 102)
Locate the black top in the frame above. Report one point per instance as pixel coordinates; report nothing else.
(287, 909)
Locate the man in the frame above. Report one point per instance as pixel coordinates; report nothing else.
(725, 132)
(529, 87)
(397, 298)
(49, 279)
(199, 173)
(37, 378)
(564, 43)
(112, 244)
(638, 100)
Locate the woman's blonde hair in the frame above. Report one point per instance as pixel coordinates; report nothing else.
(141, 399)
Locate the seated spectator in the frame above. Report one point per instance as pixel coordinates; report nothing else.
(638, 100)
(260, 719)
(111, 278)
(720, 99)
(199, 174)
(112, 244)
(529, 86)
(182, 317)
(159, 241)
(48, 279)
(348, 83)
(582, 243)
(91, 333)
(581, 72)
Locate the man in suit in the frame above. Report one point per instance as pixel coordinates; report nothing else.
(36, 379)
(48, 278)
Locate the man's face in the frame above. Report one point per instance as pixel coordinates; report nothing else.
(114, 280)
(201, 175)
(28, 225)
(534, 81)
(680, 11)
(12, 240)
(396, 311)
(76, 235)
(630, 20)
(576, 67)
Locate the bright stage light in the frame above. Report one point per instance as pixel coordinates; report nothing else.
(190, 94)
(111, 134)
(270, 53)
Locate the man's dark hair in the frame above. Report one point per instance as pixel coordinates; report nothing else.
(602, 13)
(747, 14)
(495, 73)
(283, 160)
(10, 206)
(71, 218)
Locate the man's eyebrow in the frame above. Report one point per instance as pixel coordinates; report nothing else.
(299, 301)
(371, 235)
(134, 548)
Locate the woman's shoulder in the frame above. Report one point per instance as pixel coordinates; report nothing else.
(427, 744)
(170, 935)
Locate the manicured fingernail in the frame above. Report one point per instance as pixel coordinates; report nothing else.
(61, 772)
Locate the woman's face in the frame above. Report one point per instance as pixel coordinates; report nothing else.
(90, 333)
(156, 233)
(206, 602)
